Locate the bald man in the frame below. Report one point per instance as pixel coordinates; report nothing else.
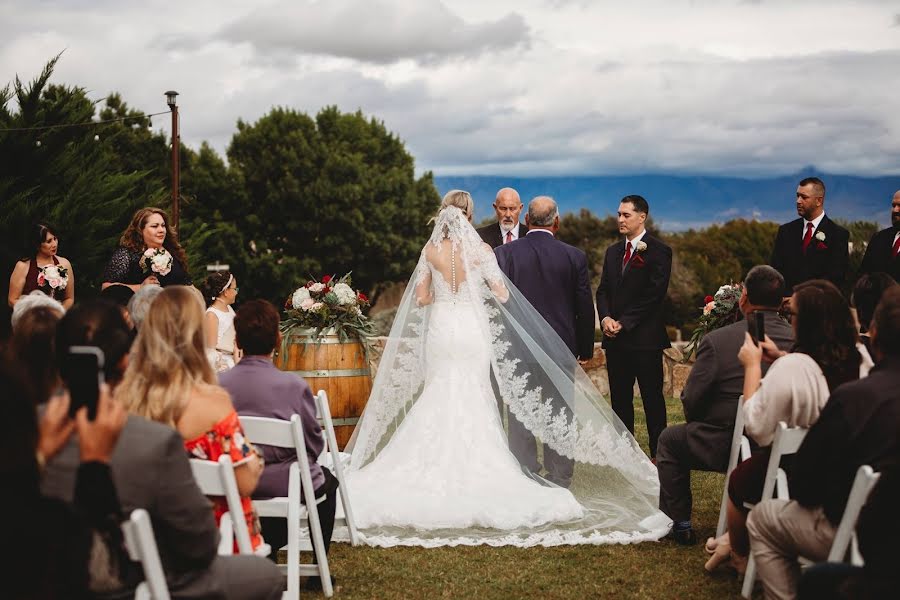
(508, 207)
(883, 251)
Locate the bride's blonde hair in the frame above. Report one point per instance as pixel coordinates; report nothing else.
(168, 359)
(461, 200)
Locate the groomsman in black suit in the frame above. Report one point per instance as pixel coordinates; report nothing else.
(883, 252)
(813, 246)
(553, 277)
(630, 298)
(507, 229)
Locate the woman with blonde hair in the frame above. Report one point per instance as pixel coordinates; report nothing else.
(170, 380)
(148, 254)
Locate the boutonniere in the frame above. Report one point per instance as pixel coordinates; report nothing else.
(820, 235)
(641, 246)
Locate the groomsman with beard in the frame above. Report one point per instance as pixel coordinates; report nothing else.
(883, 252)
(630, 297)
(813, 246)
(508, 207)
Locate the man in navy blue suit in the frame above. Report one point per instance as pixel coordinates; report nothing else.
(630, 298)
(553, 277)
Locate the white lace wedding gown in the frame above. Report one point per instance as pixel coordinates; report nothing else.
(421, 479)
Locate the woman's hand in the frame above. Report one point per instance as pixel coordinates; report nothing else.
(97, 439)
(151, 280)
(750, 354)
(55, 427)
(771, 352)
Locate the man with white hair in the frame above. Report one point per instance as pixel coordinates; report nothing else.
(33, 300)
(508, 207)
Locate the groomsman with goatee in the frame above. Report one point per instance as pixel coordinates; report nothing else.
(883, 252)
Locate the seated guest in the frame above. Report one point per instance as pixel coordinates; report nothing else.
(57, 550)
(184, 394)
(32, 345)
(151, 471)
(120, 295)
(259, 389)
(877, 531)
(139, 305)
(825, 355)
(857, 427)
(710, 399)
(33, 300)
(866, 295)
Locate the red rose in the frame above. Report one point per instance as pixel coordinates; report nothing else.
(362, 297)
(326, 279)
(708, 299)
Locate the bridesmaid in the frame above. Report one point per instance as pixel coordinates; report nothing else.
(29, 274)
(128, 265)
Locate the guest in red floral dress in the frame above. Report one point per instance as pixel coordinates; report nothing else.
(170, 380)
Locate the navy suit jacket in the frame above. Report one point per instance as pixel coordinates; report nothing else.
(553, 277)
(828, 259)
(634, 297)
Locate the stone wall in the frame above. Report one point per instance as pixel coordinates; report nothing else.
(675, 372)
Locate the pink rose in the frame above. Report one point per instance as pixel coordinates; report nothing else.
(708, 308)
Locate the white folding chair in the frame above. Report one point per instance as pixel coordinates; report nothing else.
(865, 480)
(217, 479)
(740, 451)
(787, 441)
(289, 434)
(141, 546)
(334, 459)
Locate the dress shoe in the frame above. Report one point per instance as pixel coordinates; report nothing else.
(683, 537)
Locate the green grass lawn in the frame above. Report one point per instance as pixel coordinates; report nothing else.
(648, 570)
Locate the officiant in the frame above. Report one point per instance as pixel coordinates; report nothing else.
(508, 207)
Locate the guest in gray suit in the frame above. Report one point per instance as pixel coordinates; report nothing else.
(151, 471)
(710, 399)
(259, 389)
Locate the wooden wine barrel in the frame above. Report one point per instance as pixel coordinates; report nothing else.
(338, 368)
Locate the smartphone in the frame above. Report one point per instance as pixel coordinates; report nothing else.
(82, 372)
(760, 327)
(751, 329)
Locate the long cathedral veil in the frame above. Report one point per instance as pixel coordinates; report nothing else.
(613, 479)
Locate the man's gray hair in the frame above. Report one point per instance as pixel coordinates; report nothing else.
(139, 305)
(33, 300)
(542, 211)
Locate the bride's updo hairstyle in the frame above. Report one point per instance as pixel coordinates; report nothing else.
(461, 200)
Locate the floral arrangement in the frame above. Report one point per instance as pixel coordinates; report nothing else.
(52, 277)
(329, 304)
(156, 260)
(719, 310)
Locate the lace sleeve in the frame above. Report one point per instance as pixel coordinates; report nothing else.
(424, 293)
(118, 269)
(490, 270)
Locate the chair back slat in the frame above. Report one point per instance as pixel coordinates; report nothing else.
(865, 480)
(141, 546)
(267, 431)
(217, 479)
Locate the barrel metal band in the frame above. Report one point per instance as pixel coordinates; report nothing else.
(332, 372)
(316, 341)
(345, 421)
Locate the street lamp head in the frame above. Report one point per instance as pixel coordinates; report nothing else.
(170, 98)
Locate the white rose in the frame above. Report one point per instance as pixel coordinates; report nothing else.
(820, 236)
(317, 287)
(51, 272)
(641, 246)
(307, 304)
(301, 295)
(344, 293)
(316, 306)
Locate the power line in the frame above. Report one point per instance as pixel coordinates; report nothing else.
(84, 124)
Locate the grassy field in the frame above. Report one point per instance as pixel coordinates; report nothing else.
(648, 570)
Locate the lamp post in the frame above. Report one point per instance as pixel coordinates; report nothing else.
(176, 139)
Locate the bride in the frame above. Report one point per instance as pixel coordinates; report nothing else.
(430, 463)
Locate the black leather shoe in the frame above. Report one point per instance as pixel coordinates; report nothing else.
(683, 537)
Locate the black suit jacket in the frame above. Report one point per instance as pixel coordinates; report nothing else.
(493, 235)
(826, 259)
(878, 257)
(634, 297)
(553, 277)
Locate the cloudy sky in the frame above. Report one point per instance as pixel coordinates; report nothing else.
(524, 87)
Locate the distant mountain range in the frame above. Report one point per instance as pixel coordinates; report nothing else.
(682, 202)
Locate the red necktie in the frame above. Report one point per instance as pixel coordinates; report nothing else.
(808, 237)
(508, 237)
(627, 254)
(896, 250)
